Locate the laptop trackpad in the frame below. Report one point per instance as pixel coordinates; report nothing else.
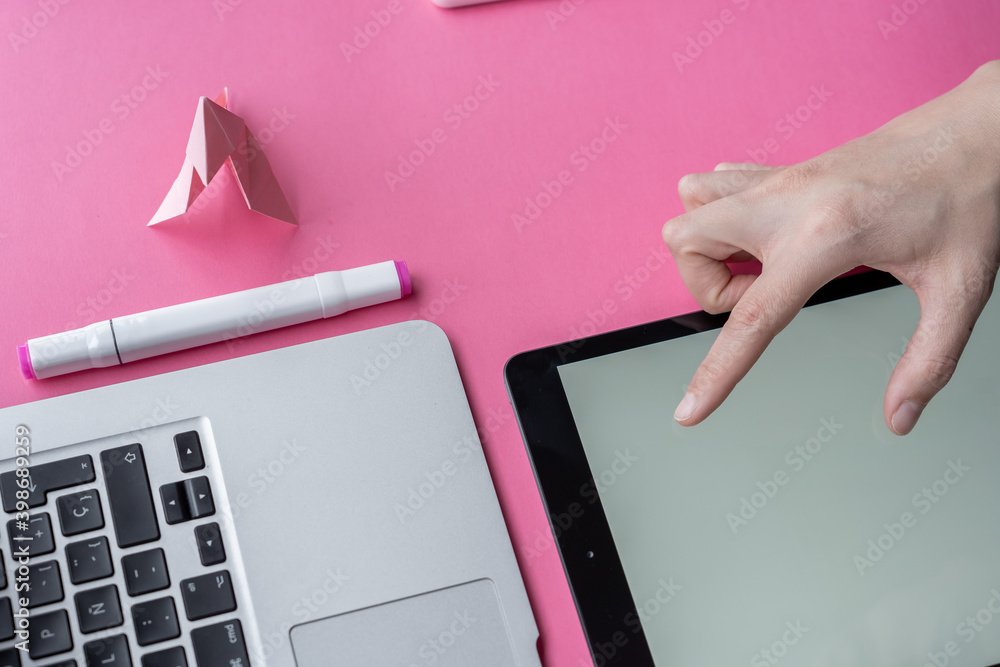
(452, 627)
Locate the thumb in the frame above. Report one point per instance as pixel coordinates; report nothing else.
(931, 356)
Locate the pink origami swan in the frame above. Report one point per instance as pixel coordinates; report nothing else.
(217, 137)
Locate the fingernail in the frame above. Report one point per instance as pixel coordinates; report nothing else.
(906, 417)
(686, 408)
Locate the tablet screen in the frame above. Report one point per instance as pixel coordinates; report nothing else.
(792, 527)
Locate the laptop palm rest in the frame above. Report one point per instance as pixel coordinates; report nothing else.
(452, 627)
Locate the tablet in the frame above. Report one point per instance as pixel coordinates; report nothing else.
(791, 527)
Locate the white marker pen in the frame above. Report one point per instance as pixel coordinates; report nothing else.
(154, 332)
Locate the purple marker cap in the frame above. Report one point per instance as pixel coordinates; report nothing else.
(22, 356)
(405, 286)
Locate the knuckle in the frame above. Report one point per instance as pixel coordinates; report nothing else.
(710, 372)
(687, 185)
(675, 232)
(732, 182)
(749, 316)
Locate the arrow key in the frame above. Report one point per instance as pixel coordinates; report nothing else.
(199, 497)
(189, 455)
(175, 504)
(210, 548)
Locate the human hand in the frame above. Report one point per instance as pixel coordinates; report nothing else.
(919, 198)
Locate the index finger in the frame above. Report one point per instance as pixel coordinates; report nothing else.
(766, 308)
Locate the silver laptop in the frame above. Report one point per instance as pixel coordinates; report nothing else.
(322, 504)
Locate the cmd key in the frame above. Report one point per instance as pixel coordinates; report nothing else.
(44, 478)
(220, 644)
(129, 496)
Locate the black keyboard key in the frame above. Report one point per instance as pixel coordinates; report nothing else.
(220, 644)
(189, 455)
(32, 537)
(89, 560)
(208, 595)
(6, 620)
(44, 584)
(190, 499)
(64, 663)
(108, 652)
(49, 634)
(98, 609)
(3, 574)
(175, 507)
(210, 547)
(171, 657)
(145, 572)
(44, 478)
(80, 512)
(10, 657)
(155, 621)
(129, 496)
(199, 497)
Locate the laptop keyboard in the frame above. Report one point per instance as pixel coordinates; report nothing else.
(114, 554)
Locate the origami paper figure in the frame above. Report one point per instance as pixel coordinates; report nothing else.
(217, 137)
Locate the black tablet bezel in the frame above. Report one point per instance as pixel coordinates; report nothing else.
(597, 580)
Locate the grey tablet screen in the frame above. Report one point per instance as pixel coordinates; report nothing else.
(792, 527)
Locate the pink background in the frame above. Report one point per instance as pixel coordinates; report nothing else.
(76, 249)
